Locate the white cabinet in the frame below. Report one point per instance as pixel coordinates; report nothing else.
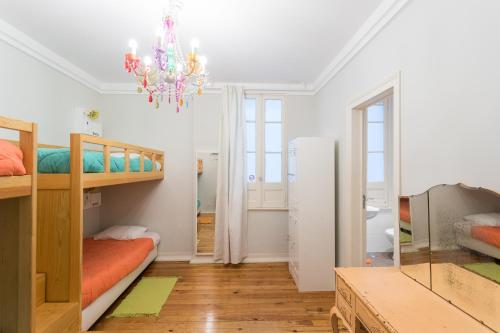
(311, 220)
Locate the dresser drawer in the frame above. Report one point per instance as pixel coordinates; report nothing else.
(344, 291)
(346, 311)
(368, 319)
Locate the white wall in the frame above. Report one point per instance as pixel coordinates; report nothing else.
(33, 91)
(448, 53)
(167, 207)
(207, 182)
(268, 230)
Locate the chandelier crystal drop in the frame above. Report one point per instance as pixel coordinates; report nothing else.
(168, 75)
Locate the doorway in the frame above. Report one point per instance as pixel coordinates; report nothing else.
(373, 175)
(377, 184)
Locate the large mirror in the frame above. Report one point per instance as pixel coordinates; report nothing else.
(465, 249)
(414, 237)
(206, 194)
(463, 226)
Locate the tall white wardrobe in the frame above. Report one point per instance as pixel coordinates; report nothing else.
(311, 221)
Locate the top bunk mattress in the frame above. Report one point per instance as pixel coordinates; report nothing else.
(57, 160)
(106, 262)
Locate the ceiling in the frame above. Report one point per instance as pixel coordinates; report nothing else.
(251, 41)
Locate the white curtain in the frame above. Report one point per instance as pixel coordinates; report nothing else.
(231, 211)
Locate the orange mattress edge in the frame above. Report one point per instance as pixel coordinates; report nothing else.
(487, 234)
(106, 262)
(404, 210)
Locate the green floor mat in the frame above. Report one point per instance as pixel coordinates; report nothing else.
(147, 297)
(404, 237)
(490, 270)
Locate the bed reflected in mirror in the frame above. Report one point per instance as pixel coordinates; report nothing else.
(206, 189)
(414, 238)
(465, 247)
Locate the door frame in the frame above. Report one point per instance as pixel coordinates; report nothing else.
(355, 163)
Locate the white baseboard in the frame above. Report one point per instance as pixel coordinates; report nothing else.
(202, 260)
(254, 258)
(174, 256)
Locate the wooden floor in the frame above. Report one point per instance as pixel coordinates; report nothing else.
(243, 298)
(206, 233)
(379, 259)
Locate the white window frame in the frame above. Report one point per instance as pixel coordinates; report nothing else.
(262, 195)
(384, 200)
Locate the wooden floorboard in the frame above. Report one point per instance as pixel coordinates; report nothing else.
(206, 233)
(237, 298)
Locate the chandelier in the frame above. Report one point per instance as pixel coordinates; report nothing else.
(169, 75)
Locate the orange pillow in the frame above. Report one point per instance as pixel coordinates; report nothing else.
(11, 160)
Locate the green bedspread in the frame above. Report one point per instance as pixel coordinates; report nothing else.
(52, 160)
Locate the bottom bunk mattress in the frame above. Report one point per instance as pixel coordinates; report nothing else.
(106, 262)
(488, 234)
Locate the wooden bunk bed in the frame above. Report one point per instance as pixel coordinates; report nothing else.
(17, 235)
(60, 213)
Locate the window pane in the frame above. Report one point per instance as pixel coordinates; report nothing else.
(251, 139)
(273, 138)
(273, 168)
(251, 173)
(273, 110)
(375, 167)
(376, 112)
(250, 109)
(375, 137)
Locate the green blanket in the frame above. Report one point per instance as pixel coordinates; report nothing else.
(52, 160)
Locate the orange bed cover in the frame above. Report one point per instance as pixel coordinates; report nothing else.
(106, 262)
(404, 209)
(487, 234)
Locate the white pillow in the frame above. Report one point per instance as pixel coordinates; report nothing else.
(121, 232)
(488, 219)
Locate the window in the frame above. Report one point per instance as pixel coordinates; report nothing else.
(265, 140)
(375, 146)
(377, 153)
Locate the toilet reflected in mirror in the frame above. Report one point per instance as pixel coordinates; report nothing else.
(206, 194)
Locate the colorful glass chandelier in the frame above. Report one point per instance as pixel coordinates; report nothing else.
(169, 75)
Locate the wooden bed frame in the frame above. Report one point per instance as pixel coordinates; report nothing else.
(18, 235)
(60, 212)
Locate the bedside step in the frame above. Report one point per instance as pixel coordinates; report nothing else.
(57, 318)
(40, 288)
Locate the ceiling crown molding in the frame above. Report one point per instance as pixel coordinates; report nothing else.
(384, 13)
(215, 88)
(378, 20)
(26, 44)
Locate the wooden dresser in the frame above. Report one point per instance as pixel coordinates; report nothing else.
(384, 300)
